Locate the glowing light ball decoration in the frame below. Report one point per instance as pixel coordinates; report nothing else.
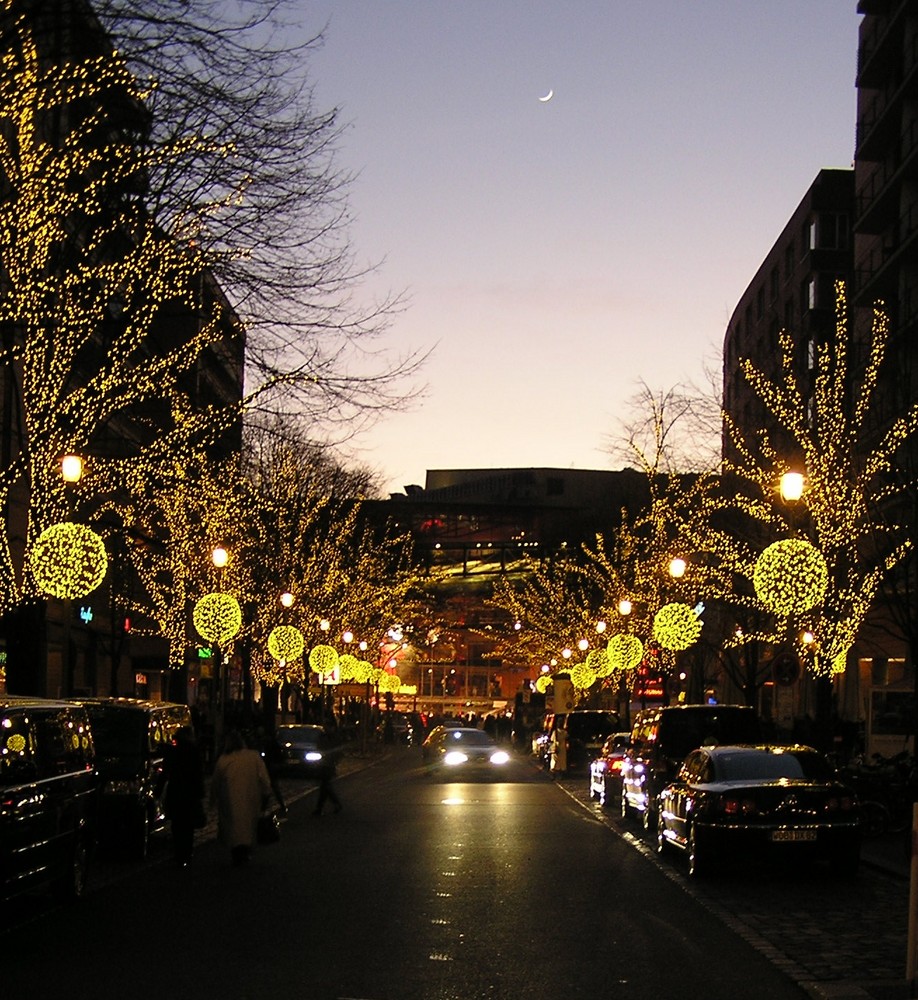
(790, 576)
(286, 643)
(68, 560)
(624, 652)
(217, 617)
(390, 682)
(362, 671)
(676, 626)
(543, 682)
(323, 659)
(347, 664)
(598, 661)
(582, 677)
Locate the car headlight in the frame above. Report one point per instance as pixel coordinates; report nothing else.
(500, 757)
(312, 756)
(455, 757)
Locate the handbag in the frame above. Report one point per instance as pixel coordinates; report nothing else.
(268, 828)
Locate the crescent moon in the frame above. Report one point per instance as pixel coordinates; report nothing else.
(547, 97)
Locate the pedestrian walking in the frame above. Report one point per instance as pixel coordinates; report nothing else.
(327, 770)
(240, 789)
(183, 774)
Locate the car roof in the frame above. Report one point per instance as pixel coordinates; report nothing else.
(731, 749)
(27, 701)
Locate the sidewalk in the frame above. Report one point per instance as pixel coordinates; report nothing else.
(888, 853)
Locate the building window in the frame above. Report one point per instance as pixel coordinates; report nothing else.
(811, 354)
(812, 299)
(789, 261)
(812, 235)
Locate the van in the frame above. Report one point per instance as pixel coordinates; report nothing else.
(661, 739)
(131, 736)
(48, 796)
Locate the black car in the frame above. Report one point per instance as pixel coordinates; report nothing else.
(461, 752)
(48, 796)
(131, 736)
(756, 801)
(662, 737)
(304, 749)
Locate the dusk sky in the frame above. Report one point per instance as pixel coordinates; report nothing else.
(555, 253)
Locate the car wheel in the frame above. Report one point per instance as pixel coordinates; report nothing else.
(72, 883)
(697, 858)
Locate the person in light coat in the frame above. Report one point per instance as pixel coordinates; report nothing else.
(239, 790)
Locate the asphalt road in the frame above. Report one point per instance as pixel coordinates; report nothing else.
(420, 889)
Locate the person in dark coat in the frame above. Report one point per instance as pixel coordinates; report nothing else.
(184, 796)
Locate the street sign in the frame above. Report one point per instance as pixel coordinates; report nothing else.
(332, 676)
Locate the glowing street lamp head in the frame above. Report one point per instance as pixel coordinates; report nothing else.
(220, 557)
(791, 486)
(677, 568)
(624, 607)
(71, 468)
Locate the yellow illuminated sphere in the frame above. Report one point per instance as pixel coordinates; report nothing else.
(390, 682)
(286, 643)
(347, 663)
(217, 617)
(624, 652)
(362, 671)
(323, 659)
(676, 626)
(790, 576)
(543, 682)
(598, 661)
(582, 677)
(68, 560)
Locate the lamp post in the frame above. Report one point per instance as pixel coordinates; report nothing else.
(220, 558)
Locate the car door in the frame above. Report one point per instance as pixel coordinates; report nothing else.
(678, 799)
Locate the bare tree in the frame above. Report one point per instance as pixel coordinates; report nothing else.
(260, 193)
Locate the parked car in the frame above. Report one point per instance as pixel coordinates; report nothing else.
(48, 796)
(131, 736)
(759, 800)
(661, 739)
(395, 727)
(304, 748)
(464, 751)
(586, 731)
(606, 769)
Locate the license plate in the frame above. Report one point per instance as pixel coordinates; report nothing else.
(793, 836)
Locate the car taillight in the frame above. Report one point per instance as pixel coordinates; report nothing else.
(738, 807)
(615, 766)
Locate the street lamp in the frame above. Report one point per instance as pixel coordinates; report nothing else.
(71, 468)
(677, 568)
(792, 486)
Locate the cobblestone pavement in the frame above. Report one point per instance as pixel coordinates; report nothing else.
(838, 939)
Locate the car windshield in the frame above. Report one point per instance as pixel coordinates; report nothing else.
(469, 737)
(769, 765)
(587, 726)
(299, 734)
